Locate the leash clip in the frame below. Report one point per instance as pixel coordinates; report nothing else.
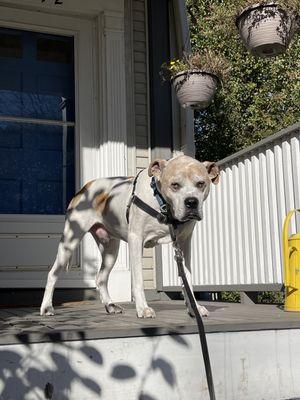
(164, 209)
(178, 254)
(162, 218)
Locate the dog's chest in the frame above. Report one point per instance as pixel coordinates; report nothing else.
(159, 237)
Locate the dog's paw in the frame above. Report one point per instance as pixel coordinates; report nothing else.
(47, 310)
(147, 312)
(114, 309)
(202, 311)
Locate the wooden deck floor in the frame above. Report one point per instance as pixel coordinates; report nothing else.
(88, 320)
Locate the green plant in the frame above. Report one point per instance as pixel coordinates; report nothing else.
(260, 96)
(170, 69)
(232, 297)
(270, 297)
(205, 61)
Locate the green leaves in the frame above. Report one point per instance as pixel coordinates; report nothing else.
(207, 61)
(260, 97)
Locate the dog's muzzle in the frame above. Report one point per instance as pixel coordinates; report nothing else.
(191, 206)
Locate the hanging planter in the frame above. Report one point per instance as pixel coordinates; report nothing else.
(195, 89)
(267, 28)
(195, 78)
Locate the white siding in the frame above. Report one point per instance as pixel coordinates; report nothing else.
(140, 83)
(140, 67)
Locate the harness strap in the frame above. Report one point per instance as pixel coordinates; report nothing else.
(132, 195)
(164, 216)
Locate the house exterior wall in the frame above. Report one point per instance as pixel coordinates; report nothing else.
(112, 126)
(140, 62)
(141, 111)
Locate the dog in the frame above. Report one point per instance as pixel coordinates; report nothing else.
(106, 208)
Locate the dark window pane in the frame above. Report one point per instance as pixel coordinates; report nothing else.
(43, 106)
(10, 45)
(32, 88)
(36, 168)
(160, 95)
(54, 50)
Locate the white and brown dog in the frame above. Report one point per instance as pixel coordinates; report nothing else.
(100, 208)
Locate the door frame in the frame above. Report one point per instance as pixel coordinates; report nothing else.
(100, 126)
(37, 226)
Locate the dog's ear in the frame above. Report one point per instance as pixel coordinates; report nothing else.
(156, 167)
(213, 171)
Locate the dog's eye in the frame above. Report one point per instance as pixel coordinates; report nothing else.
(175, 186)
(200, 184)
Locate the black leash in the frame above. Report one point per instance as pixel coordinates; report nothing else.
(165, 217)
(179, 260)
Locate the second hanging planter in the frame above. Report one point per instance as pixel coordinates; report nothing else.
(266, 28)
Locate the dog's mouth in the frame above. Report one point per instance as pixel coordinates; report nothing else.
(191, 216)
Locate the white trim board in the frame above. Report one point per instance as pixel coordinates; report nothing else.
(75, 8)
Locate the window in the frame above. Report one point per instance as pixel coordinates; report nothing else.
(160, 95)
(37, 122)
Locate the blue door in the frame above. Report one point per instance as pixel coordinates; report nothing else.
(37, 122)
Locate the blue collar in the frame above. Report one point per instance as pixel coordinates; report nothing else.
(156, 193)
(164, 216)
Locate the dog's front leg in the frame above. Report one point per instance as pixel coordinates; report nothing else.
(135, 244)
(186, 248)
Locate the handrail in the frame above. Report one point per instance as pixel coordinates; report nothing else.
(272, 138)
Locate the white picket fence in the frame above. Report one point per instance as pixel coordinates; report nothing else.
(238, 243)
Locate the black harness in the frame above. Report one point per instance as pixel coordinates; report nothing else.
(164, 216)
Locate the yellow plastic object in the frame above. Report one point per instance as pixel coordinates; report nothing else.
(291, 259)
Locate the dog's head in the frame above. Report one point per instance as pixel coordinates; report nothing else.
(184, 183)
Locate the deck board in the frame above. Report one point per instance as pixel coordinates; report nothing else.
(88, 320)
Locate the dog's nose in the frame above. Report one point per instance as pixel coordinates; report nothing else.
(191, 202)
